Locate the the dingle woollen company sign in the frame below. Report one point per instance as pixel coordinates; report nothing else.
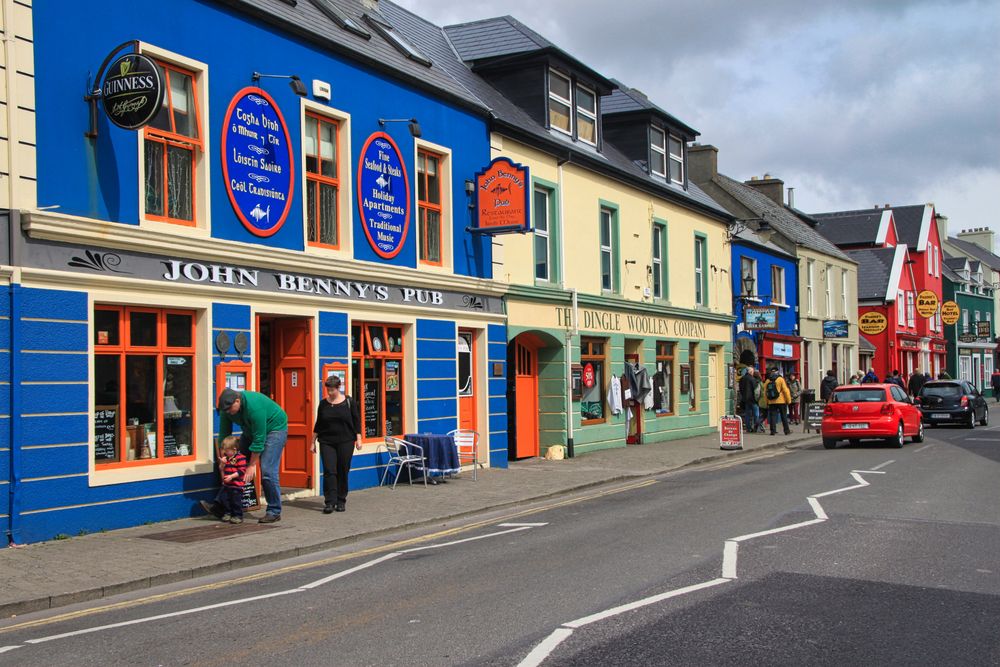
(950, 312)
(927, 303)
(132, 91)
(502, 197)
(872, 323)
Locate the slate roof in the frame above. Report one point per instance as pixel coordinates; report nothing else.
(952, 274)
(629, 100)
(874, 269)
(778, 216)
(973, 250)
(306, 21)
(908, 220)
(849, 228)
(955, 263)
(434, 40)
(865, 344)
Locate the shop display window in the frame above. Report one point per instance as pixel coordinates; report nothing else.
(377, 377)
(693, 363)
(663, 379)
(593, 358)
(144, 385)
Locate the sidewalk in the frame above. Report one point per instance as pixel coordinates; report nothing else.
(53, 574)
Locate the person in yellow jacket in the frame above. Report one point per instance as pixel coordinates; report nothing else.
(778, 397)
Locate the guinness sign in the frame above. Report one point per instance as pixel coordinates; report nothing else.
(132, 91)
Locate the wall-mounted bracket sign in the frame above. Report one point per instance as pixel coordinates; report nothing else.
(257, 161)
(383, 195)
(132, 91)
(760, 317)
(927, 304)
(872, 323)
(502, 198)
(950, 313)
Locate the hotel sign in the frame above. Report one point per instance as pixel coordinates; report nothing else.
(132, 91)
(950, 312)
(257, 161)
(502, 198)
(383, 195)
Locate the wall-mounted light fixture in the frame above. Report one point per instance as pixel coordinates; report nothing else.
(414, 125)
(295, 82)
(470, 190)
(759, 226)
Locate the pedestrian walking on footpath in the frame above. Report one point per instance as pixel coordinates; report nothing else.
(749, 393)
(827, 386)
(795, 387)
(896, 379)
(233, 466)
(995, 381)
(265, 432)
(870, 377)
(778, 398)
(338, 432)
(916, 383)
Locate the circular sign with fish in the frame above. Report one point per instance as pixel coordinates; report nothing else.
(257, 161)
(383, 195)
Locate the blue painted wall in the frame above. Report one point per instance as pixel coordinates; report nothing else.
(787, 316)
(98, 179)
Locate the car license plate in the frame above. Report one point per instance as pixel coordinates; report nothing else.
(940, 415)
(855, 426)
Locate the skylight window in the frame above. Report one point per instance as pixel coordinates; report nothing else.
(341, 19)
(398, 41)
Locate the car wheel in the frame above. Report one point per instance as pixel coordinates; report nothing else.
(897, 442)
(986, 417)
(829, 443)
(972, 420)
(919, 437)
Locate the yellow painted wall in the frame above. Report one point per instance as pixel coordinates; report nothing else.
(811, 325)
(581, 194)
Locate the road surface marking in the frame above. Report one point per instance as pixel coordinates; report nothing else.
(530, 525)
(982, 439)
(467, 539)
(542, 651)
(358, 568)
(922, 448)
(4, 649)
(883, 464)
(729, 571)
(320, 563)
(869, 472)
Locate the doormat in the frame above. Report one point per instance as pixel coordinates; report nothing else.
(213, 531)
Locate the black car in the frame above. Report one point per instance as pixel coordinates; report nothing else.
(952, 402)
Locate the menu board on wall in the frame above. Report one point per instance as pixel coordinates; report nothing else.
(106, 433)
(170, 445)
(373, 405)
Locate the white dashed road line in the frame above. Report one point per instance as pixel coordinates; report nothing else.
(883, 464)
(917, 451)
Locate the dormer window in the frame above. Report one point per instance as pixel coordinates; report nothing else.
(657, 152)
(676, 160)
(572, 108)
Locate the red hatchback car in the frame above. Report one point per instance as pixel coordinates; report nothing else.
(871, 411)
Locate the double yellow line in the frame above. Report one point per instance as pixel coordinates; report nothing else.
(320, 563)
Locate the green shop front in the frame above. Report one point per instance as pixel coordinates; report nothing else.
(565, 358)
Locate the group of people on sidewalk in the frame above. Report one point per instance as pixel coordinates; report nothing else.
(775, 395)
(264, 432)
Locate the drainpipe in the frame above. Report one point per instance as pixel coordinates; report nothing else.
(13, 521)
(568, 345)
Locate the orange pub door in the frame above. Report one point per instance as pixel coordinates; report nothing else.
(467, 379)
(285, 374)
(526, 391)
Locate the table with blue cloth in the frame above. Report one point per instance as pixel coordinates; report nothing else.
(440, 454)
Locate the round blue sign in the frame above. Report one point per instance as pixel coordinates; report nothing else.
(383, 195)
(257, 161)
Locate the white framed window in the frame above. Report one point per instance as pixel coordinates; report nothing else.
(658, 234)
(810, 280)
(560, 104)
(434, 205)
(965, 321)
(778, 285)
(676, 147)
(748, 268)
(827, 283)
(586, 115)
(325, 177)
(911, 310)
(657, 152)
(976, 321)
(540, 218)
(901, 308)
(937, 320)
(700, 287)
(843, 292)
(989, 319)
(607, 250)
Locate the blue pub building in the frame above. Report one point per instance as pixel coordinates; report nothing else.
(244, 193)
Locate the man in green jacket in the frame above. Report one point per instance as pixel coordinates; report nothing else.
(264, 434)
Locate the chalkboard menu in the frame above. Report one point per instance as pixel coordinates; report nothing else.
(106, 433)
(170, 445)
(251, 494)
(814, 415)
(372, 408)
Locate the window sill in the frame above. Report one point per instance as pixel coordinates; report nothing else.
(591, 422)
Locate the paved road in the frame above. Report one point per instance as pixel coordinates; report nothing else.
(899, 566)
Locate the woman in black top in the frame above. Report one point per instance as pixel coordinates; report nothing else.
(338, 427)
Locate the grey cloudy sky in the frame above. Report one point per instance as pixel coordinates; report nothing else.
(852, 103)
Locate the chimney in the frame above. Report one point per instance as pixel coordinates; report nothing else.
(370, 4)
(703, 163)
(942, 224)
(981, 236)
(772, 188)
(791, 197)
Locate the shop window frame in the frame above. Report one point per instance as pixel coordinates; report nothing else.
(315, 180)
(161, 350)
(552, 233)
(586, 345)
(382, 355)
(425, 205)
(669, 356)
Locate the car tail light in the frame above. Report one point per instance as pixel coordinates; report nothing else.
(965, 401)
(828, 410)
(887, 409)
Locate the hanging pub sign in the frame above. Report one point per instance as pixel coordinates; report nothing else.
(132, 91)
(760, 317)
(967, 338)
(927, 303)
(257, 161)
(984, 329)
(872, 323)
(950, 312)
(834, 328)
(502, 203)
(383, 195)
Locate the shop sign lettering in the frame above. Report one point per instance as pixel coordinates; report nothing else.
(927, 303)
(257, 161)
(950, 312)
(383, 195)
(502, 197)
(872, 323)
(132, 91)
(603, 320)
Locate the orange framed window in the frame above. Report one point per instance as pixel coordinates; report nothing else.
(172, 148)
(145, 393)
(429, 203)
(663, 379)
(377, 368)
(321, 146)
(593, 356)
